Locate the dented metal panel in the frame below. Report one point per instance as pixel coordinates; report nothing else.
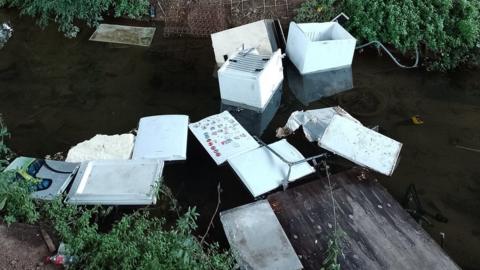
(116, 182)
(337, 131)
(257, 238)
(162, 137)
(262, 171)
(361, 145)
(123, 34)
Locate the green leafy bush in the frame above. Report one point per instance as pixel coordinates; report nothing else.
(137, 241)
(66, 13)
(16, 205)
(15, 202)
(5, 152)
(446, 31)
(317, 11)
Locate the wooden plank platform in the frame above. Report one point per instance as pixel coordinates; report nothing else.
(379, 233)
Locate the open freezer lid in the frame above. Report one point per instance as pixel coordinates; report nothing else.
(162, 137)
(259, 35)
(262, 171)
(54, 175)
(116, 182)
(223, 137)
(257, 238)
(124, 34)
(337, 131)
(361, 145)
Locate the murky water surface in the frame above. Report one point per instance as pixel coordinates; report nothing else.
(56, 92)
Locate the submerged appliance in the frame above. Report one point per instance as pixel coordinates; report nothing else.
(250, 79)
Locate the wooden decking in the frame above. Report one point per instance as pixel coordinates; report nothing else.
(379, 233)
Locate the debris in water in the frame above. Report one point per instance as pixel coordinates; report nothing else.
(417, 120)
(162, 137)
(251, 79)
(259, 35)
(102, 147)
(223, 137)
(262, 164)
(328, 41)
(467, 148)
(6, 32)
(337, 131)
(122, 34)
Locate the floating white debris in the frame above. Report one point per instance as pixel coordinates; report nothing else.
(122, 34)
(251, 79)
(259, 35)
(257, 238)
(162, 137)
(262, 171)
(116, 182)
(336, 131)
(223, 137)
(6, 32)
(319, 46)
(54, 176)
(102, 147)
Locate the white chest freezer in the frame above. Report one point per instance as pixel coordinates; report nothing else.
(251, 79)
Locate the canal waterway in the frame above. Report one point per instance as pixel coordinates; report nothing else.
(56, 92)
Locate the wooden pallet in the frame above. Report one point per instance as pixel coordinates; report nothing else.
(380, 234)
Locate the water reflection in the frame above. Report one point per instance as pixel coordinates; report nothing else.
(314, 86)
(253, 121)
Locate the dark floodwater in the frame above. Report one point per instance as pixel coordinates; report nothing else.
(56, 92)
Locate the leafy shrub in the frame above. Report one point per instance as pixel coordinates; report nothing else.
(137, 241)
(16, 205)
(66, 12)
(317, 11)
(447, 31)
(5, 152)
(15, 202)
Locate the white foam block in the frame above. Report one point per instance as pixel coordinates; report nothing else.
(102, 147)
(223, 137)
(162, 137)
(262, 171)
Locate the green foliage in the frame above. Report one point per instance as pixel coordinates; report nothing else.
(16, 205)
(137, 241)
(66, 13)
(317, 11)
(448, 31)
(5, 152)
(334, 249)
(15, 202)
